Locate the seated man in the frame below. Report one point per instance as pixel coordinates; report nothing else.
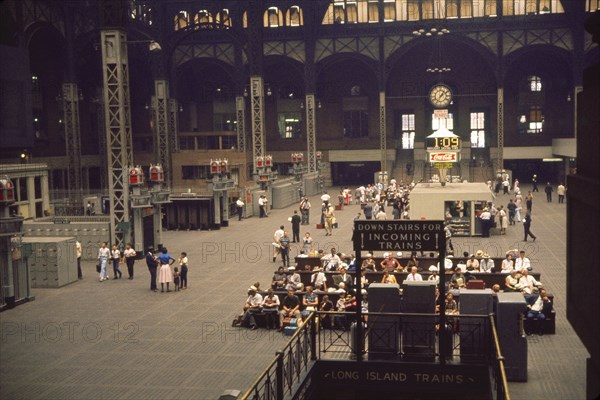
(535, 312)
(251, 306)
(326, 305)
(318, 279)
(413, 275)
(294, 282)
(472, 263)
(291, 308)
(270, 307)
(279, 280)
(486, 264)
(310, 302)
(458, 279)
(528, 282)
(342, 277)
(331, 261)
(522, 262)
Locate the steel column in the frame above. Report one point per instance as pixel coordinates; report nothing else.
(258, 118)
(240, 117)
(70, 103)
(161, 128)
(382, 132)
(311, 133)
(500, 113)
(117, 113)
(173, 126)
(101, 121)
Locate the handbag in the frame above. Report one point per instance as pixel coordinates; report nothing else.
(98, 267)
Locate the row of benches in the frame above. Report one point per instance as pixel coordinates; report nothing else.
(489, 279)
(549, 325)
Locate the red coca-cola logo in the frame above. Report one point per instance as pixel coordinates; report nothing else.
(442, 157)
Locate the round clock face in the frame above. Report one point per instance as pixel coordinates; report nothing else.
(440, 96)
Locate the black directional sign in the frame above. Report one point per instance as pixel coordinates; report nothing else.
(399, 235)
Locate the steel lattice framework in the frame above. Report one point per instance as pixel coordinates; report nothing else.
(240, 117)
(118, 130)
(500, 128)
(311, 140)
(70, 103)
(173, 126)
(160, 107)
(258, 118)
(382, 132)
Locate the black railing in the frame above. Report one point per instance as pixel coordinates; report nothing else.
(291, 363)
(402, 337)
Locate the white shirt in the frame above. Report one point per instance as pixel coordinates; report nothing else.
(318, 278)
(435, 278)
(104, 252)
(538, 305)
(528, 282)
(255, 300)
(184, 261)
(381, 215)
(129, 253)
(560, 190)
(486, 265)
(485, 215)
(78, 249)
(268, 300)
(414, 277)
(331, 261)
(507, 266)
(278, 235)
(521, 263)
(115, 253)
(241, 203)
(262, 201)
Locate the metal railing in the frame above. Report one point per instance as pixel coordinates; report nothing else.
(500, 381)
(286, 370)
(402, 337)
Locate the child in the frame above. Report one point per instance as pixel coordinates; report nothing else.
(183, 263)
(176, 278)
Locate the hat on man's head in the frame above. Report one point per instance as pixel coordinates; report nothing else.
(486, 209)
(253, 288)
(479, 253)
(316, 268)
(433, 268)
(486, 256)
(399, 254)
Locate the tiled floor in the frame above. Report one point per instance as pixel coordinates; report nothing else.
(118, 340)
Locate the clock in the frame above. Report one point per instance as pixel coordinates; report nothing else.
(440, 96)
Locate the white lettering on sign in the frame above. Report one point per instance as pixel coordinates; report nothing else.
(396, 376)
(442, 157)
(386, 376)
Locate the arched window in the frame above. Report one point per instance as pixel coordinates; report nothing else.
(273, 17)
(222, 19)
(534, 83)
(203, 19)
(181, 20)
(294, 16)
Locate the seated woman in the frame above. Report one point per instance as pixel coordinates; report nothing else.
(511, 283)
(507, 264)
(413, 262)
(388, 278)
(369, 263)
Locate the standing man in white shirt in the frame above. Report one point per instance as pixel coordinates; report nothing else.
(276, 237)
(103, 256)
(561, 190)
(129, 255)
(262, 206)
(240, 208)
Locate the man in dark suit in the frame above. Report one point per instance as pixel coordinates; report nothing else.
(535, 311)
(343, 277)
(152, 266)
(296, 227)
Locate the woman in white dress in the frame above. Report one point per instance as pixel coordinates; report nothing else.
(519, 204)
(503, 220)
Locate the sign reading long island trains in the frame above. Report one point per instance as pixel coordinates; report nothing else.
(399, 235)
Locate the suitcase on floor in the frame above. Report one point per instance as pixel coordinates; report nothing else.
(320, 226)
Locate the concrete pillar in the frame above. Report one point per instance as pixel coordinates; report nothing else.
(45, 194)
(138, 231)
(31, 196)
(217, 207)
(157, 225)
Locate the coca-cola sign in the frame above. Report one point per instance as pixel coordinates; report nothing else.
(442, 157)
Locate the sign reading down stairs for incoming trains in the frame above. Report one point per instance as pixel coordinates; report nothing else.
(399, 235)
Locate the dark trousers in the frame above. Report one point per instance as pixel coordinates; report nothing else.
(79, 274)
(296, 235)
(549, 197)
(304, 214)
(511, 217)
(116, 269)
(262, 213)
(535, 188)
(561, 198)
(528, 232)
(485, 227)
(184, 271)
(285, 257)
(240, 211)
(130, 262)
(152, 277)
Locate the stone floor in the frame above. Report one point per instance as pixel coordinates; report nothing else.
(118, 340)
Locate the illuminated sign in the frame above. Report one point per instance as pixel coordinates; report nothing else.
(443, 157)
(443, 143)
